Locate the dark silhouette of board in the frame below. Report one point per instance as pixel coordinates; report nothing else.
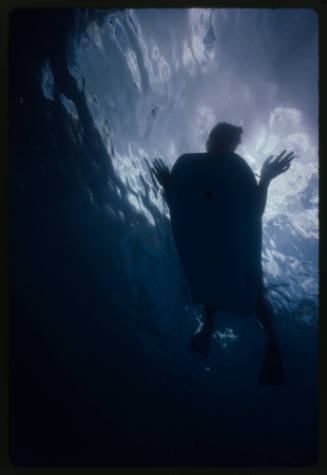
(213, 201)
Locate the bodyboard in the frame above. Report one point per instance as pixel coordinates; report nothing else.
(216, 224)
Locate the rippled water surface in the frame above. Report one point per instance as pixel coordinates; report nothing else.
(157, 81)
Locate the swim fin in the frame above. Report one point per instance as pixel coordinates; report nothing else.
(272, 372)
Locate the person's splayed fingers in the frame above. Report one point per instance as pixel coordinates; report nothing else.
(273, 167)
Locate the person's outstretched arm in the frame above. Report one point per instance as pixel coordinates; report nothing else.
(162, 174)
(271, 168)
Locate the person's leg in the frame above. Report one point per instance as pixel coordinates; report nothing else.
(201, 341)
(265, 312)
(272, 373)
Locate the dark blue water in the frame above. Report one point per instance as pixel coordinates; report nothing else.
(101, 315)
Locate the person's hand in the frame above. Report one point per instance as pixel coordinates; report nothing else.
(161, 172)
(274, 167)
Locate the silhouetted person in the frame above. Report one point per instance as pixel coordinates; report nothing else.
(222, 140)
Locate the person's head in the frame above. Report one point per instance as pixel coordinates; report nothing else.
(224, 138)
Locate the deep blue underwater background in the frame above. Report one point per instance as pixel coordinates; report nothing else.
(101, 317)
